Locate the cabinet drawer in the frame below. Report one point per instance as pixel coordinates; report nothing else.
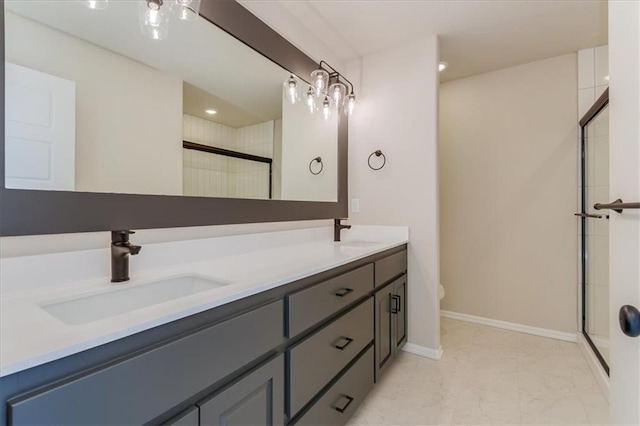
(136, 390)
(310, 306)
(341, 400)
(316, 361)
(390, 267)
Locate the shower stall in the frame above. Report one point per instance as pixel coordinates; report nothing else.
(594, 228)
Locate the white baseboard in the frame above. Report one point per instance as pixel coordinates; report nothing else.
(423, 351)
(594, 364)
(543, 332)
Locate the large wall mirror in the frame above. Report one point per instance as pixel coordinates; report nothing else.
(103, 113)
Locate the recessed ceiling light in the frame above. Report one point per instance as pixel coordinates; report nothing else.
(442, 66)
(211, 111)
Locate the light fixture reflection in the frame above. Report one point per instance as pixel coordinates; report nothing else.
(155, 19)
(290, 88)
(442, 66)
(326, 108)
(187, 10)
(311, 99)
(96, 4)
(211, 111)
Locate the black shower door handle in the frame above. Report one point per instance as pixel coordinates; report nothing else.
(629, 318)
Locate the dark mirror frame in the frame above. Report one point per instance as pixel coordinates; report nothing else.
(33, 212)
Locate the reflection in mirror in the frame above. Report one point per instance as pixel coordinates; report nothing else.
(95, 105)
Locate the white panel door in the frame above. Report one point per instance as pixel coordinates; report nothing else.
(40, 123)
(624, 238)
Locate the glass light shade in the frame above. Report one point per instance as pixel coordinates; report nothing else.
(337, 91)
(350, 104)
(187, 10)
(290, 89)
(310, 99)
(326, 108)
(96, 4)
(154, 20)
(320, 81)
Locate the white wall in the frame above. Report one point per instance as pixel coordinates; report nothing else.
(508, 192)
(397, 112)
(306, 136)
(624, 276)
(126, 112)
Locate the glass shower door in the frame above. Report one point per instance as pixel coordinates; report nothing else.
(595, 233)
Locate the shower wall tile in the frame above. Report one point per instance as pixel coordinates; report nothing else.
(586, 98)
(586, 68)
(601, 66)
(211, 175)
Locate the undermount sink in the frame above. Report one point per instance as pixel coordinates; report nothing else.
(359, 244)
(125, 298)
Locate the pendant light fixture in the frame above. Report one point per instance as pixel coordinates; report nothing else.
(290, 88)
(320, 81)
(96, 4)
(328, 82)
(338, 91)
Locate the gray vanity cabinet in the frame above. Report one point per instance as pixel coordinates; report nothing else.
(256, 399)
(391, 322)
(304, 353)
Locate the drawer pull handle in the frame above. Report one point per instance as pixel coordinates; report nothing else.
(344, 407)
(344, 345)
(343, 292)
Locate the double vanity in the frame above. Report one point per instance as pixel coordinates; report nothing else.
(289, 329)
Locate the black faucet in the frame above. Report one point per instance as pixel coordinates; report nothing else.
(337, 227)
(121, 249)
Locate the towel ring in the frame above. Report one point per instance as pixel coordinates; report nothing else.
(319, 160)
(377, 153)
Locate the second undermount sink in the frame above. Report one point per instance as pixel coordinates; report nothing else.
(128, 297)
(359, 244)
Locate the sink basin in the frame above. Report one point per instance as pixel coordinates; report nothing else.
(359, 244)
(125, 299)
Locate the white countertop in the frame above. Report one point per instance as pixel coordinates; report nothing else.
(29, 336)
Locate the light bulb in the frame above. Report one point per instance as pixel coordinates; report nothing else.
(96, 4)
(291, 89)
(326, 110)
(311, 101)
(155, 19)
(320, 79)
(351, 104)
(337, 92)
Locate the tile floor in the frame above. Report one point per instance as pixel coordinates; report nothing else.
(487, 376)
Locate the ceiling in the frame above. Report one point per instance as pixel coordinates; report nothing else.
(476, 36)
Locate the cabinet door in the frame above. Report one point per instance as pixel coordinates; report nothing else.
(188, 417)
(255, 399)
(384, 328)
(399, 310)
